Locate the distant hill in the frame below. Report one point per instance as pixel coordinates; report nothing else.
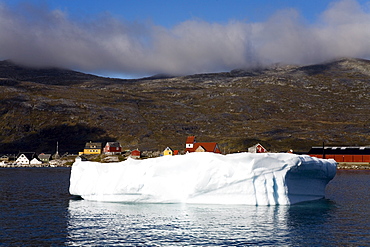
(282, 107)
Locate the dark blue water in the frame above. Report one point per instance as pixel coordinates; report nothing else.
(36, 210)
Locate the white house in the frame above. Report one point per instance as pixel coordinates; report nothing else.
(35, 161)
(22, 159)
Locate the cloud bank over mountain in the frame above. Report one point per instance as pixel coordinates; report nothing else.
(38, 36)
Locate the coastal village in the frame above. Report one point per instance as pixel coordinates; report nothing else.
(109, 152)
(347, 157)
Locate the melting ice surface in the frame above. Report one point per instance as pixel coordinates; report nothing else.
(206, 178)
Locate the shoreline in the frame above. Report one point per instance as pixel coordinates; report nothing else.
(33, 166)
(353, 166)
(340, 166)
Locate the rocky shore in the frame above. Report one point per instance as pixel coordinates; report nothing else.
(341, 166)
(52, 163)
(353, 166)
(24, 166)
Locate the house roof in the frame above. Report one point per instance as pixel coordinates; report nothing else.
(29, 155)
(340, 150)
(44, 156)
(190, 139)
(135, 152)
(93, 145)
(35, 161)
(257, 147)
(113, 144)
(207, 146)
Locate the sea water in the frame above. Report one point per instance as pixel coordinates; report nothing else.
(37, 210)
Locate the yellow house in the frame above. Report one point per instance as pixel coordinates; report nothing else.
(93, 148)
(168, 151)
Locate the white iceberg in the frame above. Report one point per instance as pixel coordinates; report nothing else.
(206, 178)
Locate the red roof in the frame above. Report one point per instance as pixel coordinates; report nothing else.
(207, 146)
(135, 153)
(190, 139)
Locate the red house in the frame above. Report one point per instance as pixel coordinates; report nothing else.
(193, 146)
(258, 148)
(112, 148)
(135, 154)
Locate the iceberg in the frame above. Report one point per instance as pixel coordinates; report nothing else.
(205, 178)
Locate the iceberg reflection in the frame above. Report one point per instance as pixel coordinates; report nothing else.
(102, 223)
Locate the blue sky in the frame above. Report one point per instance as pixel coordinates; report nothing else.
(169, 13)
(141, 38)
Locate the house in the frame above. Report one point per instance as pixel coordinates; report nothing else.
(35, 161)
(190, 142)
(112, 148)
(135, 154)
(258, 148)
(24, 158)
(45, 158)
(342, 154)
(168, 151)
(93, 148)
(4, 158)
(192, 145)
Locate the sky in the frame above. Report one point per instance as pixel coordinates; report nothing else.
(131, 39)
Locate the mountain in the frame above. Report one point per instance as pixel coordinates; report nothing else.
(281, 107)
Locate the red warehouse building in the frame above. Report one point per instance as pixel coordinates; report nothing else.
(342, 154)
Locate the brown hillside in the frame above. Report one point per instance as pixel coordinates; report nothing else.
(284, 107)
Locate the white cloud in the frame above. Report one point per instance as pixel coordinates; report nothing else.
(41, 37)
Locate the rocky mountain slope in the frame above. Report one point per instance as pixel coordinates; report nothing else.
(282, 107)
